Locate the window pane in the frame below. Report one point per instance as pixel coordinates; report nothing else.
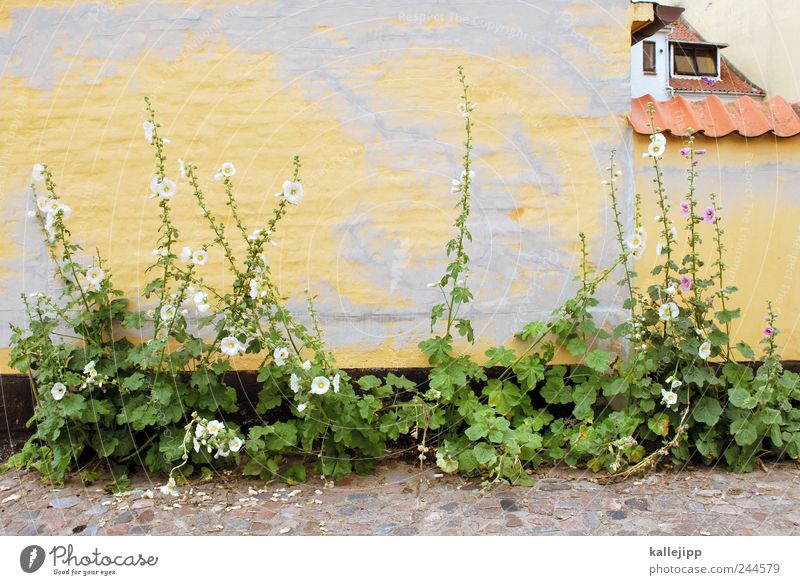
(706, 61)
(684, 63)
(649, 56)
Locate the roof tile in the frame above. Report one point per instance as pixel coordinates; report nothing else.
(711, 117)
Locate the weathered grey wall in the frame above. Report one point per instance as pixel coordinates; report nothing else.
(366, 93)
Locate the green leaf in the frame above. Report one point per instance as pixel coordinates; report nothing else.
(659, 424)
(133, 382)
(746, 351)
(576, 346)
(618, 386)
(728, 315)
(437, 349)
(743, 432)
(741, 398)
(555, 391)
(72, 405)
(707, 410)
(464, 328)
(368, 382)
(437, 312)
(477, 431)
(584, 397)
(598, 360)
(282, 435)
(500, 355)
(532, 330)
(529, 371)
(400, 382)
(484, 453)
(771, 416)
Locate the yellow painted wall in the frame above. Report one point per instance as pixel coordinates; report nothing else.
(757, 182)
(366, 94)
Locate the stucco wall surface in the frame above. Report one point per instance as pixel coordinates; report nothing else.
(756, 181)
(365, 92)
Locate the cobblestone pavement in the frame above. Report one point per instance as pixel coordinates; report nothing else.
(402, 500)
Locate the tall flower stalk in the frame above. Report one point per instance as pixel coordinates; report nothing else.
(453, 283)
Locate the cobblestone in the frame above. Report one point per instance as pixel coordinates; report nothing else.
(402, 500)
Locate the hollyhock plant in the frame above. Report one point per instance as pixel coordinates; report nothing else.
(686, 283)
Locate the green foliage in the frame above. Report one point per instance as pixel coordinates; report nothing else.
(664, 382)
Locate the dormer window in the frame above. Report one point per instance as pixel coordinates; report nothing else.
(695, 60)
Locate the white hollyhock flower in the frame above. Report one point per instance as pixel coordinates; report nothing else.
(641, 232)
(203, 308)
(280, 354)
(294, 383)
(464, 175)
(58, 390)
(196, 445)
(200, 298)
(292, 191)
(167, 313)
(148, 131)
(253, 289)
(42, 203)
(336, 384)
(634, 242)
(668, 397)
(455, 186)
(254, 236)
(661, 248)
(227, 169)
(656, 149)
(705, 350)
(214, 427)
(199, 257)
(668, 311)
(200, 431)
(186, 254)
(659, 138)
(219, 177)
(182, 167)
(164, 188)
(89, 367)
(65, 211)
(231, 346)
(302, 407)
(306, 365)
(320, 385)
(235, 444)
(94, 276)
(38, 173)
(671, 290)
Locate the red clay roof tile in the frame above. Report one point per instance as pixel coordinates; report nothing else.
(713, 118)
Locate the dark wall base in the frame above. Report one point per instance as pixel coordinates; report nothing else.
(17, 399)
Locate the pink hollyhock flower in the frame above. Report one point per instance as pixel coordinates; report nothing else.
(709, 215)
(686, 283)
(685, 208)
(685, 151)
(769, 331)
(700, 151)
